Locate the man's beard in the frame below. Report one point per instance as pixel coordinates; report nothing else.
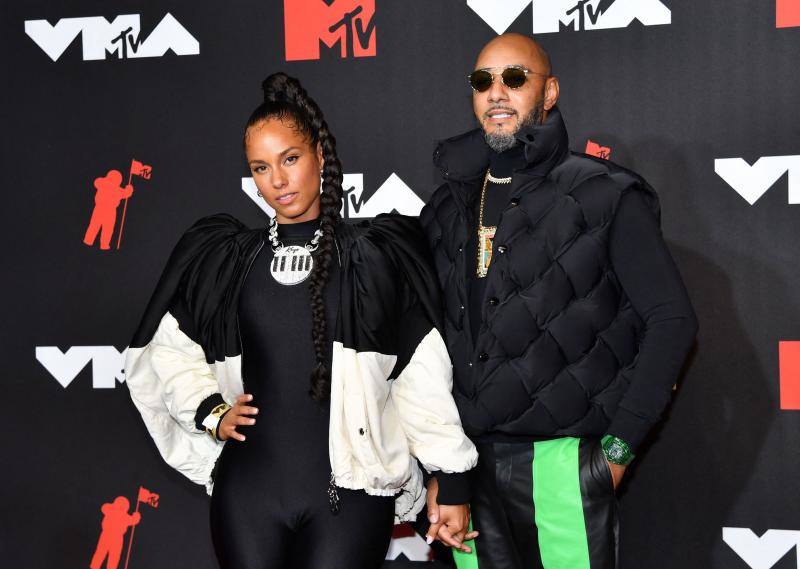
(502, 141)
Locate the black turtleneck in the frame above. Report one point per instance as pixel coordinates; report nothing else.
(501, 165)
(291, 430)
(278, 351)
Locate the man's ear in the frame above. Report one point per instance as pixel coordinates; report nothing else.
(551, 92)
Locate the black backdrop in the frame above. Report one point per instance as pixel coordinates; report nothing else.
(718, 82)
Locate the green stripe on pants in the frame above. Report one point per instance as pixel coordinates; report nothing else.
(467, 560)
(558, 504)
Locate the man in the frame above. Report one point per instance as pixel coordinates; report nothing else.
(566, 319)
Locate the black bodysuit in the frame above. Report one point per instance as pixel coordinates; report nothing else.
(270, 506)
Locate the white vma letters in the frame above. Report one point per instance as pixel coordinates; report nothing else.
(393, 195)
(413, 547)
(765, 551)
(548, 15)
(107, 364)
(121, 37)
(499, 15)
(752, 182)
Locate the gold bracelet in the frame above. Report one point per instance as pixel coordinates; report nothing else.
(216, 413)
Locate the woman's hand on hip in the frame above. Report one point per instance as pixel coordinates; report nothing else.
(239, 415)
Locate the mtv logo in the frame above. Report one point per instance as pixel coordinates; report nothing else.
(752, 182)
(787, 13)
(120, 37)
(762, 552)
(789, 363)
(348, 23)
(594, 149)
(392, 195)
(107, 364)
(550, 15)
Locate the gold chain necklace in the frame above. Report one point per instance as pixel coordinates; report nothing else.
(486, 234)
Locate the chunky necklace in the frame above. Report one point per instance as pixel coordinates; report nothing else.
(486, 234)
(494, 180)
(293, 264)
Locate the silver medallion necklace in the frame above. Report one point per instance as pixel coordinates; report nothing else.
(291, 264)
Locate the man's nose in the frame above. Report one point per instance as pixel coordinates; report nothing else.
(498, 91)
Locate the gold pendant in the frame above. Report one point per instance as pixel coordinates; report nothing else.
(485, 240)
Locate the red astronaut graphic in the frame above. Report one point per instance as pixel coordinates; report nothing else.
(116, 521)
(115, 524)
(109, 194)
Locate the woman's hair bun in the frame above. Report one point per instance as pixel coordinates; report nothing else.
(279, 87)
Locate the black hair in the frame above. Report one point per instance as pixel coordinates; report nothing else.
(286, 99)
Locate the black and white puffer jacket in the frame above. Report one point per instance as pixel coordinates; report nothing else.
(391, 406)
(558, 343)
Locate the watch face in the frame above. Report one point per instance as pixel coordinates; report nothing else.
(616, 452)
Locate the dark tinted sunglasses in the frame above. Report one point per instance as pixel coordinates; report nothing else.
(513, 78)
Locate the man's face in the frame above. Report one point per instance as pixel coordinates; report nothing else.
(500, 110)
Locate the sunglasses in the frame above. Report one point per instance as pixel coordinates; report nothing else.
(512, 77)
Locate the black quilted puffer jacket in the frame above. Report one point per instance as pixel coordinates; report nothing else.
(558, 341)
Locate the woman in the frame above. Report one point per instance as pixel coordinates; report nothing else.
(312, 474)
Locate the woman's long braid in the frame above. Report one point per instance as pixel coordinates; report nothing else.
(280, 89)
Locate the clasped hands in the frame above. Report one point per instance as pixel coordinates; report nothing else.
(449, 524)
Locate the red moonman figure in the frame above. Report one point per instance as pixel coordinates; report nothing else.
(106, 201)
(116, 521)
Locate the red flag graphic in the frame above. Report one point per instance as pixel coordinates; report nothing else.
(148, 497)
(139, 169)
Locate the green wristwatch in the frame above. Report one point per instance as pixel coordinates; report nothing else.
(616, 450)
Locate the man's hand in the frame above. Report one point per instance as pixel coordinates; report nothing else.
(617, 472)
(239, 414)
(449, 524)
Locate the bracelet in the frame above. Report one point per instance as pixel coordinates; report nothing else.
(616, 450)
(212, 421)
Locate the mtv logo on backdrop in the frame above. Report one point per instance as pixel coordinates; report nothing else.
(787, 13)
(762, 552)
(107, 364)
(752, 182)
(121, 37)
(393, 195)
(308, 24)
(550, 16)
(595, 149)
(789, 363)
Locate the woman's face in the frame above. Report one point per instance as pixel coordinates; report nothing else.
(286, 169)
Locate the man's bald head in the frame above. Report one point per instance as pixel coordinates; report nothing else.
(503, 110)
(523, 50)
